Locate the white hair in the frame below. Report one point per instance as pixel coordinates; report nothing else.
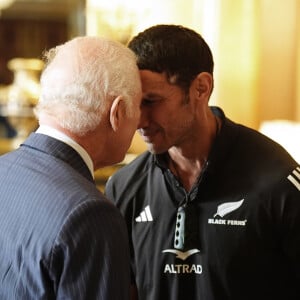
(81, 79)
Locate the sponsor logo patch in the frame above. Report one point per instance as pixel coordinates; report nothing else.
(182, 255)
(182, 268)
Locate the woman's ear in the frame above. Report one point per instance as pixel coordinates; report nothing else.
(204, 84)
(115, 113)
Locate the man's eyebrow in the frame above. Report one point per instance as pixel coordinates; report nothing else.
(152, 95)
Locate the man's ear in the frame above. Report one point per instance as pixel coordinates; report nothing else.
(115, 113)
(204, 84)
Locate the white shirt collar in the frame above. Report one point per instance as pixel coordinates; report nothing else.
(50, 131)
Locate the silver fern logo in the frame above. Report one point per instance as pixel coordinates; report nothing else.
(227, 208)
(223, 210)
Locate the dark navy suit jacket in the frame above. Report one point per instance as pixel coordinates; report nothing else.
(59, 237)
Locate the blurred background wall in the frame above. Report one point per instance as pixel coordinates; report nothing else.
(256, 46)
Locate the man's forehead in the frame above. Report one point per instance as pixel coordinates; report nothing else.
(153, 79)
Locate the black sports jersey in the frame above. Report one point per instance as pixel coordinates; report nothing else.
(235, 235)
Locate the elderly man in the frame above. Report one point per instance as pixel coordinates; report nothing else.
(59, 236)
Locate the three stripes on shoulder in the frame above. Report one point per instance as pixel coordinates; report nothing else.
(294, 178)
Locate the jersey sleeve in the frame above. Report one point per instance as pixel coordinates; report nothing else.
(290, 213)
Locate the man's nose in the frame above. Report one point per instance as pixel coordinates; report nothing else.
(144, 119)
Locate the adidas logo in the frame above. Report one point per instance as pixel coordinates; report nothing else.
(294, 178)
(145, 215)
